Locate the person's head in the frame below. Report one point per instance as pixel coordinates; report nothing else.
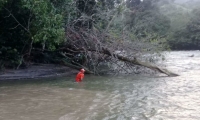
(82, 70)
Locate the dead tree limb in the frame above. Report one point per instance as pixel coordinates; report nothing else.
(140, 63)
(86, 41)
(77, 67)
(135, 62)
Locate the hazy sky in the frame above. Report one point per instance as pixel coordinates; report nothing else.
(182, 1)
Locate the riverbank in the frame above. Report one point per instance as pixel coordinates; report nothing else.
(37, 71)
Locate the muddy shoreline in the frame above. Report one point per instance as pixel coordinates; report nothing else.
(37, 71)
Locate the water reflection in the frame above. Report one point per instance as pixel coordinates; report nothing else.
(108, 97)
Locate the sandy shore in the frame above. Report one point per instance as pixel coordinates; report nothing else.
(37, 71)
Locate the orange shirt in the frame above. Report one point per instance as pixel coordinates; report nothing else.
(79, 77)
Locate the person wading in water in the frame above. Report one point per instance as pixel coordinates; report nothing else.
(80, 75)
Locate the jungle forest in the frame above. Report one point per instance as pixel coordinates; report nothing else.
(122, 34)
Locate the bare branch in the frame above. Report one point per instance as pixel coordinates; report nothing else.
(10, 14)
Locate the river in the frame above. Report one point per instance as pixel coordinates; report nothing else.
(127, 97)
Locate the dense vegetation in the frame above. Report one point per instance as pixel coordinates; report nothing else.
(77, 32)
(184, 31)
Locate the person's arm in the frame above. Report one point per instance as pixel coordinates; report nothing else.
(82, 76)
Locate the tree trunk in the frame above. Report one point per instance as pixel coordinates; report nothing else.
(145, 64)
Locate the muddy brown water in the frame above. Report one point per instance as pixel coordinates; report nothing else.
(108, 97)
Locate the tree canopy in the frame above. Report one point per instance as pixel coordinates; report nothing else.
(85, 32)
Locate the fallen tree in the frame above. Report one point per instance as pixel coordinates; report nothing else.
(134, 61)
(140, 63)
(87, 48)
(92, 37)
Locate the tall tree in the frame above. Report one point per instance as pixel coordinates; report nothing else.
(26, 22)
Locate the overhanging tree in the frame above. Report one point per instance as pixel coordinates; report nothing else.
(99, 45)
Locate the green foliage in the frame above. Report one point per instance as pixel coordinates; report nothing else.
(27, 24)
(178, 14)
(24, 21)
(9, 57)
(47, 25)
(150, 27)
(184, 24)
(189, 37)
(13, 37)
(147, 21)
